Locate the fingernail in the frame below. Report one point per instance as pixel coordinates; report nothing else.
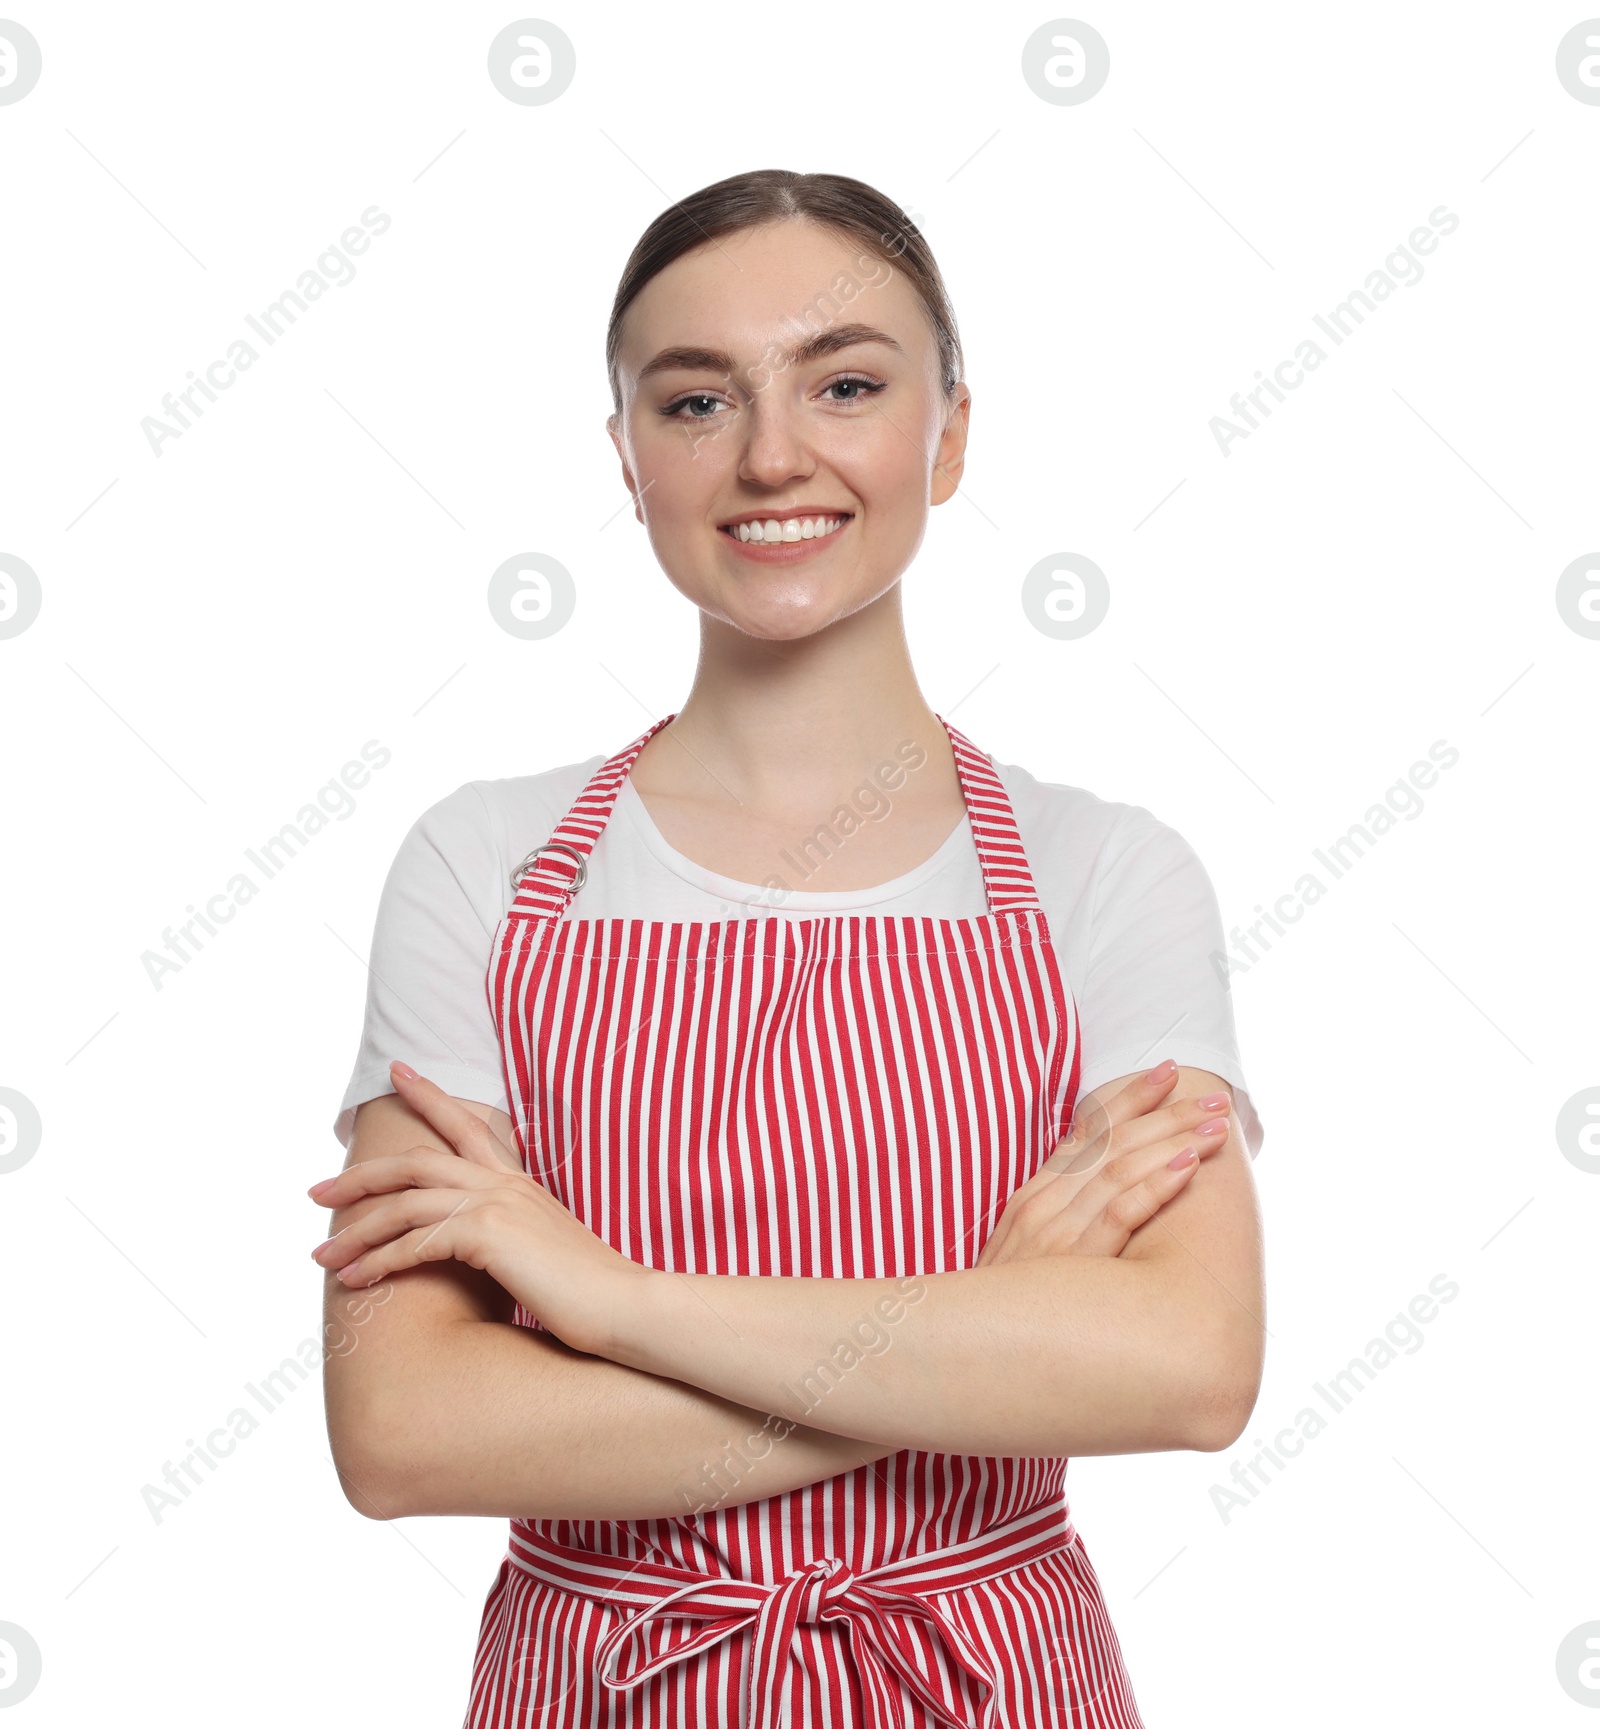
(1213, 1102)
(350, 1272)
(326, 1183)
(1217, 1126)
(1162, 1070)
(1186, 1157)
(405, 1070)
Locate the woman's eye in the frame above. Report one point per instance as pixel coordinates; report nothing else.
(861, 387)
(701, 405)
(683, 402)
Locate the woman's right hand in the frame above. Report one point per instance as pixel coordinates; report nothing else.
(1109, 1176)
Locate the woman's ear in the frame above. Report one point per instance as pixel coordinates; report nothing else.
(614, 427)
(950, 458)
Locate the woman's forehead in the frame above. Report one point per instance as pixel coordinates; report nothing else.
(748, 292)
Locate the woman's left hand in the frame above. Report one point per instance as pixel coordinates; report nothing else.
(475, 1204)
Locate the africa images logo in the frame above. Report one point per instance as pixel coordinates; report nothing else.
(333, 269)
(1401, 269)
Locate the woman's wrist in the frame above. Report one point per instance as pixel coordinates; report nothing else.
(630, 1315)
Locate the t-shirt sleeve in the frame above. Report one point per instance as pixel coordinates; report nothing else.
(427, 1001)
(1155, 985)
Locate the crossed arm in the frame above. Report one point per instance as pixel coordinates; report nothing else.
(718, 1390)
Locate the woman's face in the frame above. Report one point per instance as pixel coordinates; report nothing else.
(780, 374)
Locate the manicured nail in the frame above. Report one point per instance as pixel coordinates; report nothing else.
(1162, 1070)
(1186, 1157)
(1216, 1126)
(405, 1070)
(351, 1272)
(1213, 1102)
(326, 1183)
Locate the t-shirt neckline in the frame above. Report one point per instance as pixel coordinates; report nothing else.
(637, 813)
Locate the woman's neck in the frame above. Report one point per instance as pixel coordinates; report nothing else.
(776, 739)
(783, 725)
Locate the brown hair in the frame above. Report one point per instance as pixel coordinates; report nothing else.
(850, 207)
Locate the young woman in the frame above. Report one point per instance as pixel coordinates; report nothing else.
(730, 1240)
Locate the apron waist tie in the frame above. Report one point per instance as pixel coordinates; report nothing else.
(826, 1589)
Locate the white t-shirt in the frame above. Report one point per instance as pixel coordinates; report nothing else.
(1131, 912)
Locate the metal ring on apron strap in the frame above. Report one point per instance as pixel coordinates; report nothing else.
(555, 846)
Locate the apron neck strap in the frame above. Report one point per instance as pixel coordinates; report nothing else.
(553, 873)
(1006, 876)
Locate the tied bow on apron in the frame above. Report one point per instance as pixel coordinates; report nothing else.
(826, 1590)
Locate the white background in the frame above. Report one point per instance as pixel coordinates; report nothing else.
(1372, 570)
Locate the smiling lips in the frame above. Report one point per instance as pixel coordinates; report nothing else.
(771, 530)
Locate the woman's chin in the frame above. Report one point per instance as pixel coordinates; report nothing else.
(775, 623)
(775, 604)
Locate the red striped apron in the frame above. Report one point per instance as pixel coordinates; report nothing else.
(828, 1097)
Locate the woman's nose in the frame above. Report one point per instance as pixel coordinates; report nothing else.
(775, 446)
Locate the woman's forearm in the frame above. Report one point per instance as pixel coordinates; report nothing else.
(1060, 1355)
(505, 1421)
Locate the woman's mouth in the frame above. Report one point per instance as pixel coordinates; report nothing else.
(782, 540)
(768, 531)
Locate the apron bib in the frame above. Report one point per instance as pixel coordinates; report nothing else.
(842, 1096)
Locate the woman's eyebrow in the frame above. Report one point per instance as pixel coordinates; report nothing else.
(815, 347)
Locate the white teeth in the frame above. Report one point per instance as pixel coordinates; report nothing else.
(794, 528)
